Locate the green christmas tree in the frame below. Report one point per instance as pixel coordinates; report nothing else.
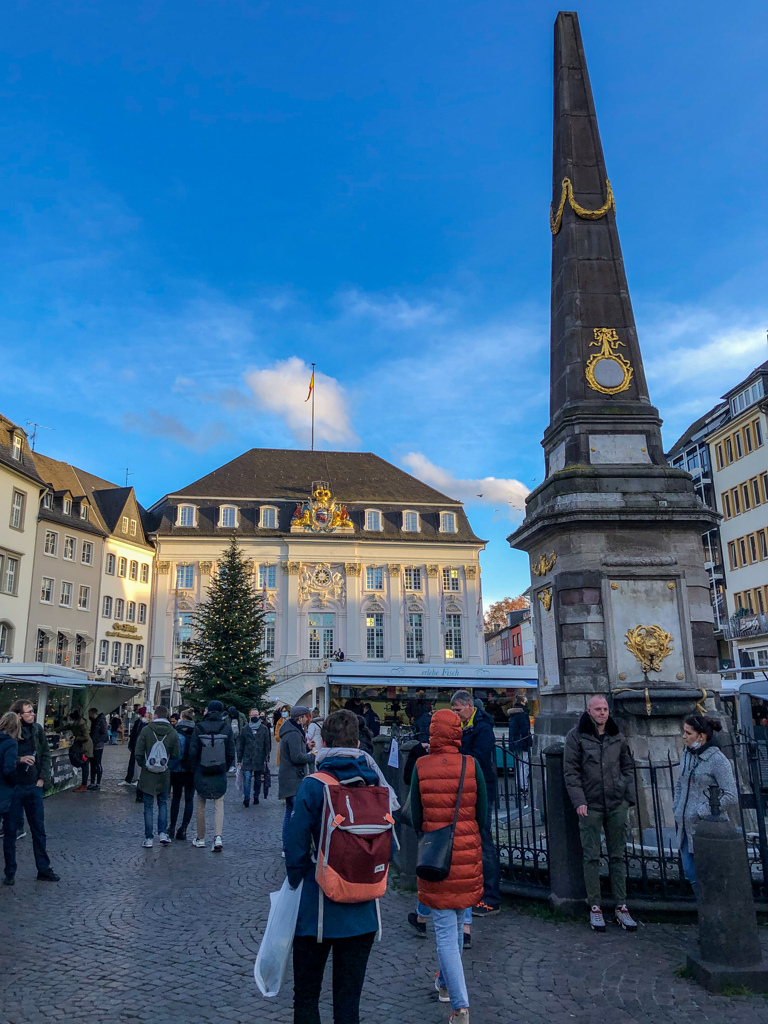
(226, 660)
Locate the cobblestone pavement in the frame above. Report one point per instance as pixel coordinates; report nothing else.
(169, 935)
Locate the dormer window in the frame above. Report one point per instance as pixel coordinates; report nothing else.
(186, 515)
(373, 519)
(268, 519)
(228, 516)
(447, 522)
(83, 510)
(48, 500)
(125, 524)
(411, 522)
(67, 506)
(16, 447)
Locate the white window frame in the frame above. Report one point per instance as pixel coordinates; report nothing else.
(145, 572)
(47, 500)
(451, 582)
(374, 573)
(130, 611)
(18, 508)
(54, 545)
(10, 579)
(408, 575)
(84, 598)
(181, 515)
(374, 512)
(117, 652)
(374, 636)
(83, 510)
(16, 447)
(142, 613)
(189, 574)
(124, 525)
(262, 517)
(127, 654)
(6, 639)
(223, 510)
(111, 564)
(267, 577)
(49, 589)
(106, 607)
(414, 636)
(453, 528)
(122, 567)
(70, 594)
(104, 652)
(452, 624)
(86, 550)
(64, 555)
(133, 570)
(269, 633)
(133, 527)
(139, 655)
(67, 506)
(407, 529)
(119, 608)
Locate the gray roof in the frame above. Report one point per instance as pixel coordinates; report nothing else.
(25, 465)
(284, 477)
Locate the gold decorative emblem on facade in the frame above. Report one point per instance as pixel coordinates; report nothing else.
(323, 581)
(543, 565)
(433, 571)
(671, 585)
(614, 586)
(470, 572)
(163, 568)
(545, 596)
(321, 514)
(291, 568)
(394, 570)
(353, 568)
(555, 220)
(650, 645)
(205, 568)
(607, 371)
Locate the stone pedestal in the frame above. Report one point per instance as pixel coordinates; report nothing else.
(566, 871)
(728, 951)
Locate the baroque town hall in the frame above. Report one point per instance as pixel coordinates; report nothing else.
(350, 552)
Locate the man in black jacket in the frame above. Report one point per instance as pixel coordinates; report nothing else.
(183, 777)
(136, 728)
(33, 775)
(296, 759)
(213, 754)
(479, 740)
(253, 748)
(99, 736)
(598, 769)
(520, 742)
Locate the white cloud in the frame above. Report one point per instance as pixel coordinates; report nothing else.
(282, 389)
(505, 495)
(395, 313)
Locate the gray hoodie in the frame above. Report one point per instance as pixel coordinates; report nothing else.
(698, 771)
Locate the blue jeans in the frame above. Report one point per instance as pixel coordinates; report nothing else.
(449, 933)
(162, 813)
(252, 777)
(113, 739)
(689, 868)
(423, 911)
(288, 812)
(25, 800)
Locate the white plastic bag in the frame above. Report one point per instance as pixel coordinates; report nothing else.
(239, 780)
(275, 948)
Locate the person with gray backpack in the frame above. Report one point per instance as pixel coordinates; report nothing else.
(212, 753)
(156, 747)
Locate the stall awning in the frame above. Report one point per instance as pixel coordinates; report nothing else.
(485, 677)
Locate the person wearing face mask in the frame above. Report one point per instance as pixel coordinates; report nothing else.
(253, 748)
(702, 765)
(296, 759)
(597, 765)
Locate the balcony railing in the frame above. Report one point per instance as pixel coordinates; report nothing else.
(745, 625)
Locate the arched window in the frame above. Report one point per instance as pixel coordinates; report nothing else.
(411, 522)
(447, 522)
(228, 516)
(186, 515)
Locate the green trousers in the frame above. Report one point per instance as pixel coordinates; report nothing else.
(615, 825)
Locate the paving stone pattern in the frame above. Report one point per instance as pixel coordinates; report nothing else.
(169, 935)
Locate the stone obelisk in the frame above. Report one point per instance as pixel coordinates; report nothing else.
(620, 596)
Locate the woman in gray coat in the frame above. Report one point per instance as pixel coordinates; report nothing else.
(703, 765)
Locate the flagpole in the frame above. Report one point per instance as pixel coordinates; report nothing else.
(313, 407)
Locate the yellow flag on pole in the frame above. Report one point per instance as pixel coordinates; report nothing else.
(311, 386)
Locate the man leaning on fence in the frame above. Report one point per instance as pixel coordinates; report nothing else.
(598, 776)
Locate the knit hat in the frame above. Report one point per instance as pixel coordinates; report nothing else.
(232, 711)
(215, 705)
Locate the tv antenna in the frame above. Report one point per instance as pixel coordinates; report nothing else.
(127, 474)
(33, 435)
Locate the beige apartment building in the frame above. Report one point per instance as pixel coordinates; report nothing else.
(20, 489)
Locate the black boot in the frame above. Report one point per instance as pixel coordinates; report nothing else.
(182, 836)
(246, 802)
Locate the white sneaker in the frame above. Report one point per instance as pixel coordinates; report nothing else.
(624, 918)
(163, 837)
(124, 783)
(218, 846)
(199, 843)
(148, 844)
(442, 992)
(596, 919)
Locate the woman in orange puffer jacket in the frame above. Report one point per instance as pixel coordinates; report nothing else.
(434, 792)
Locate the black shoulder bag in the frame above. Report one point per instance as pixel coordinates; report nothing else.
(435, 850)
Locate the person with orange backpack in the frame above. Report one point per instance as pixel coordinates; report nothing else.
(449, 807)
(344, 813)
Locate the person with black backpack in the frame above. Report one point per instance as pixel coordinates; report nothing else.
(157, 746)
(182, 776)
(212, 755)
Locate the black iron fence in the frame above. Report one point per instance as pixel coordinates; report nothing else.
(653, 864)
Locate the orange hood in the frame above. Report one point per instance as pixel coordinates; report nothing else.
(444, 731)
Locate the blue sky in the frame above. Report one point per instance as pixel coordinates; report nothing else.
(200, 199)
